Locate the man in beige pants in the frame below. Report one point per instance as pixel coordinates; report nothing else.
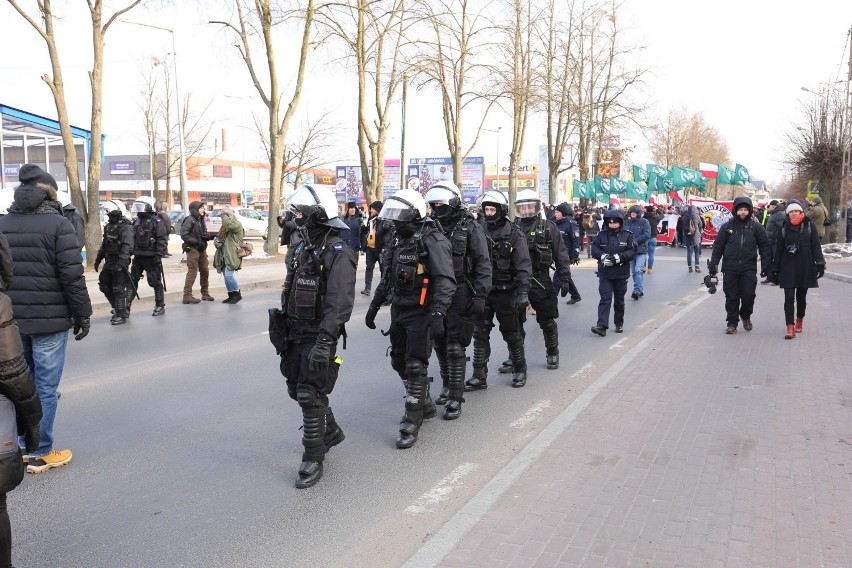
(193, 231)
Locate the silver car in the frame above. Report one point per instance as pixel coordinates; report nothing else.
(253, 223)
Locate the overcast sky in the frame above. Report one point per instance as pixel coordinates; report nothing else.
(741, 63)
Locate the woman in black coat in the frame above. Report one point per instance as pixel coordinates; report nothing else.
(797, 264)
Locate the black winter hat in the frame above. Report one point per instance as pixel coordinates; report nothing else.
(377, 205)
(31, 174)
(563, 208)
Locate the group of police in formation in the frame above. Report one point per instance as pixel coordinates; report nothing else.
(445, 276)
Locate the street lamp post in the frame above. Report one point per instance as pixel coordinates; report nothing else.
(184, 202)
(497, 132)
(243, 136)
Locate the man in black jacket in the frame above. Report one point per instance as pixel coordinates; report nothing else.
(116, 250)
(572, 236)
(48, 295)
(737, 245)
(193, 231)
(420, 276)
(776, 220)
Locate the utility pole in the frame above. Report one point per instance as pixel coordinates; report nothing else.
(846, 179)
(403, 169)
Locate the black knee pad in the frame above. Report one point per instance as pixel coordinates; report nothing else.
(306, 395)
(398, 364)
(548, 325)
(415, 368)
(455, 350)
(482, 333)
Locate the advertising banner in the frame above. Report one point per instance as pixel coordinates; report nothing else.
(122, 168)
(715, 214)
(348, 185)
(423, 173)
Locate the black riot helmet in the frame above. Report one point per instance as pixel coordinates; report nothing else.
(444, 198)
(498, 199)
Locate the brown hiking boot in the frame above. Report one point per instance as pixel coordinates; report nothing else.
(207, 297)
(191, 300)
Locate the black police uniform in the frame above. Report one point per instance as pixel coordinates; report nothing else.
(116, 250)
(572, 237)
(472, 268)
(612, 280)
(420, 276)
(737, 245)
(546, 248)
(510, 283)
(150, 245)
(318, 295)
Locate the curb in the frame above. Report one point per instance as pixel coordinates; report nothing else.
(837, 276)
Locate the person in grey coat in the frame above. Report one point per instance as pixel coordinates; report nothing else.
(693, 228)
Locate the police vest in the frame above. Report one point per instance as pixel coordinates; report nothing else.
(459, 243)
(541, 247)
(409, 275)
(502, 272)
(309, 282)
(144, 233)
(112, 239)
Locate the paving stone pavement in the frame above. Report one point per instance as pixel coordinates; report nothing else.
(704, 450)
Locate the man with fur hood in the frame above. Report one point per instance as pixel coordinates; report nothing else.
(48, 295)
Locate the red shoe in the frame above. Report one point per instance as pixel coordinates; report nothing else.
(791, 332)
(799, 323)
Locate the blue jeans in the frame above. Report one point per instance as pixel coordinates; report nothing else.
(45, 354)
(230, 279)
(652, 248)
(690, 250)
(637, 266)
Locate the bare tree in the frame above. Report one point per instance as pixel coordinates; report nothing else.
(88, 206)
(260, 17)
(310, 149)
(815, 146)
(455, 60)
(374, 33)
(515, 71)
(685, 139)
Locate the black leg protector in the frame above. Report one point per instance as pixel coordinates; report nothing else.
(159, 302)
(481, 353)
(398, 365)
(441, 352)
(417, 389)
(333, 433)
(519, 361)
(120, 316)
(313, 436)
(551, 342)
(457, 364)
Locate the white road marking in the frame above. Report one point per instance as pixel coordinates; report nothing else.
(587, 367)
(617, 344)
(441, 491)
(531, 414)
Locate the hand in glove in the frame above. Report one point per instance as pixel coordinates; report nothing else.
(320, 356)
(820, 271)
(81, 327)
(564, 287)
(522, 300)
(575, 261)
(32, 438)
(370, 318)
(774, 278)
(616, 259)
(712, 269)
(97, 264)
(436, 324)
(478, 305)
(763, 273)
(608, 260)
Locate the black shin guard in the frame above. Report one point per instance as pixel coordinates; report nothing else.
(481, 353)
(551, 343)
(519, 361)
(457, 364)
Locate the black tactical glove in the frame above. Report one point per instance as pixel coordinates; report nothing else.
(565, 287)
(478, 305)
(81, 327)
(820, 271)
(97, 264)
(774, 278)
(522, 300)
(575, 261)
(370, 318)
(712, 269)
(763, 273)
(436, 324)
(32, 438)
(320, 355)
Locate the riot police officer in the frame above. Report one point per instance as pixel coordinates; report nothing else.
(116, 250)
(547, 248)
(614, 248)
(472, 268)
(317, 300)
(510, 282)
(420, 276)
(150, 245)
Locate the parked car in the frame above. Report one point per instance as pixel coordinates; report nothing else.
(253, 223)
(176, 217)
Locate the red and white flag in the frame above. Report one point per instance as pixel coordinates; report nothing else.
(708, 170)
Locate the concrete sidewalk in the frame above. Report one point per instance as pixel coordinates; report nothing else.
(695, 449)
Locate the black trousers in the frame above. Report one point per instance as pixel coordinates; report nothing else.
(294, 366)
(150, 265)
(612, 293)
(502, 304)
(410, 336)
(112, 281)
(795, 298)
(740, 290)
(543, 299)
(372, 259)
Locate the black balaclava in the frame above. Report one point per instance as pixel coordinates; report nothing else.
(406, 229)
(114, 216)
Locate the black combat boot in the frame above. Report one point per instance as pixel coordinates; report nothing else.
(120, 316)
(313, 436)
(481, 353)
(409, 427)
(457, 365)
(551, 343)
(519, 362)
(159, 302)
(506, 367)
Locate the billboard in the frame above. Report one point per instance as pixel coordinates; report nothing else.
(423, 173)
(349, 185)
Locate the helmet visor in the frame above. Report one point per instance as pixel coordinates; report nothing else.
(527, 209)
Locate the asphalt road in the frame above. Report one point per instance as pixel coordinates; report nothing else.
(186, 445)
